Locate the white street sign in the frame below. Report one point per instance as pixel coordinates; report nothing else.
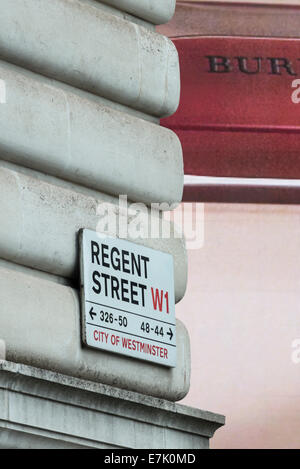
(128, 299)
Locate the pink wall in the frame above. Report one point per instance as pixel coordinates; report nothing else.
(242, 310)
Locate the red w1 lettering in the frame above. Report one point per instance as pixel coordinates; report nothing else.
(158, 298)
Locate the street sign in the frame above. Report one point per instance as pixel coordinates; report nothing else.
(128, 299)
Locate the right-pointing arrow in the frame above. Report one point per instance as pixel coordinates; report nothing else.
(170, 333)
(92, 313)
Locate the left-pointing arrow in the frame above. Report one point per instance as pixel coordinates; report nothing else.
(92, 313)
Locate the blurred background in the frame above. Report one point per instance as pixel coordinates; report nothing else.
(242, 310)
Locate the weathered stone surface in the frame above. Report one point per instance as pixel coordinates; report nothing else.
(61, 133)
(40, 223)
(71, 41)
(155, 11)
(40, 324)
(40, 409)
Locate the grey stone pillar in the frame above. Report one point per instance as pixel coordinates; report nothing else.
(42, 409)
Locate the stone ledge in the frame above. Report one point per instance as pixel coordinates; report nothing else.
(91, 144)
(44, 407)
(133, 69)
(155, 11)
